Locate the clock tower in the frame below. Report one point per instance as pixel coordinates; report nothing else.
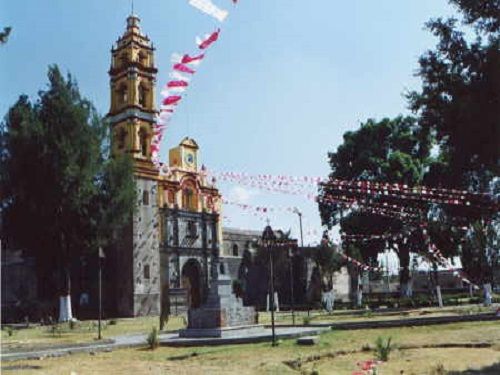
(185, 156)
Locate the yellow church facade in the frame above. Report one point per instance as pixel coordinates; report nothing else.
(167, 250)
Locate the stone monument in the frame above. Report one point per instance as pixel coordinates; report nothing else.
(223, 314)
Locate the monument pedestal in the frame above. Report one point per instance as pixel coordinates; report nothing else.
(223, 315)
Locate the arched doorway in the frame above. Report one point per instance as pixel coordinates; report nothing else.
(191, 281)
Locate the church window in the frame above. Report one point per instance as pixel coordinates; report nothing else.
(124, 59)
(147, 274)
(143, 139)
(142, 58)
(143, 92)
(145, 198)
(120, 138)
(123, 94)
(235, 250)
(187, 199)
(192, 230)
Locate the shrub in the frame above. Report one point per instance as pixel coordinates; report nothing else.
(438, 370)
(10, 331)
(306, 320)
(113, 322)
(55, 329)
(368, 314)
(73, 324)
(366, 347)
(383, 348)
(153, 339)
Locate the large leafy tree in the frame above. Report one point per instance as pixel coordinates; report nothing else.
(62, 193)
(459, 104)
(390, 150)
(460, 95)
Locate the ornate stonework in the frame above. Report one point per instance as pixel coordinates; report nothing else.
(175, 230)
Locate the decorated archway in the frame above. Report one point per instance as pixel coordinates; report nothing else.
(191, 282)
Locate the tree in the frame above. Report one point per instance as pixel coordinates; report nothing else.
(328, 261)
(62, 193)
(460, 95)
(4, 35)
(458, 103)
(390, 150)
(281, 264)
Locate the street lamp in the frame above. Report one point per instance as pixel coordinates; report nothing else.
(296, 211)
(290, 255)
(100, 260)
(268, 241)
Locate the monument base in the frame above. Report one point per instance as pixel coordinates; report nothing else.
(223, 332)
(223, 314)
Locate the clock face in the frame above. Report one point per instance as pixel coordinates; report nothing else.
(189, 158)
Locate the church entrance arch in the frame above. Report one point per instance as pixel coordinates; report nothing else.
(191, 282)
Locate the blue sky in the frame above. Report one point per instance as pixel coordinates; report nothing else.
(276, 93)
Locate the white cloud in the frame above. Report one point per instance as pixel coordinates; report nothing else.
(240, 194)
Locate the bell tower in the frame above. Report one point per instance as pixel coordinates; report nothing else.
(132, 115)
(132, 82)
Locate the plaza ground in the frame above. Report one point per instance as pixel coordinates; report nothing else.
(419, 350)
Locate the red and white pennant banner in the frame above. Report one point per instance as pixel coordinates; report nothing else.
(438, 255)
(363, 266)
(183, 68)
(209, 8)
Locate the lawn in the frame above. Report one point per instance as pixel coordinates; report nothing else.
(338, 316)
(40, 337)
(337, 353)
(81, 332)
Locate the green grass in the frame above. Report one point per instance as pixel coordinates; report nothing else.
(82, 332)
(337, 316)
(264, 359)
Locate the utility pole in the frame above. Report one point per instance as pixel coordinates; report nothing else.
(268, 242)
(290, 254)
(272, 294)
(296, 211)
(100, 260)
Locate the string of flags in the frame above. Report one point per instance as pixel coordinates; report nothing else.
(438, 255)
(182, 69)
(263, 212)
(314, 181)
(209, 8)
(404, 194)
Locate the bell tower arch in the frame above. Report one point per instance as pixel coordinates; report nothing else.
(132, 110)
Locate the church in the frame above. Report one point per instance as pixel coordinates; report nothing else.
(176, 230)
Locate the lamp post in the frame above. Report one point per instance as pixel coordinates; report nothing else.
(290, 254)
(296, 211)
(268, 241)
(100, 260)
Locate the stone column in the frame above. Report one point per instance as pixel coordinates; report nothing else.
(214, 261)
(175, 247)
